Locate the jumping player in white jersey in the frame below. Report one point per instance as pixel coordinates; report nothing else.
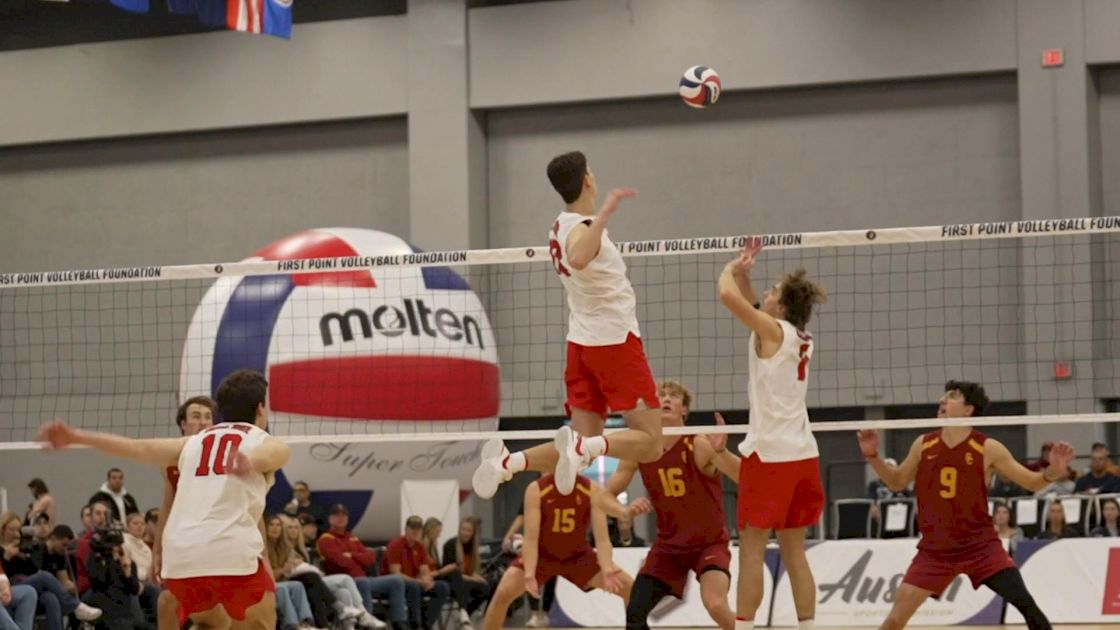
(779, 478)
(606, 370)
(213, 545)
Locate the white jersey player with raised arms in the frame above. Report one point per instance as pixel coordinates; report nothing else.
(606, 369)
(212, 542)
(779, 476)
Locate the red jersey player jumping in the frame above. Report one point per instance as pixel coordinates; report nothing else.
(687, 496)
(556, 545)
(606, 367)
(951, 469)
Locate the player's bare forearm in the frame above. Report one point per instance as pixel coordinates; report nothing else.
(604, 551)
(743, 282)
(766, 326)
(997, 456)
(608, 503)
(529, 545)
(160, 452)
(621, 478)
(728, 463)
(164, 512)
(892, 476)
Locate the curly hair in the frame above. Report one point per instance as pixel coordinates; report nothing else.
(799, 295)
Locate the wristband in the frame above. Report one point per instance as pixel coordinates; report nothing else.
(872, 456)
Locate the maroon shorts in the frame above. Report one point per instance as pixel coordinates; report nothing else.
(671, 565)
(935, 570)
(579, 569)
(615, 378)
(236, 593)
(779, 495)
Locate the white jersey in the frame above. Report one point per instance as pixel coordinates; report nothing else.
(779, 426)
(213, 525)
(600, 299)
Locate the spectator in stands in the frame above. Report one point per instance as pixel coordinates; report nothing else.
(19, 564)
(114, 584)
(43, 503)
(301, 504)
(1110, 520)
(87, 520)
(309, 531)
(348, 606)
(295, 594)
(141, 555)
(464, 552)
(114, 494)
(342, 552)
(406, 556)
(1056, 526)
(1005, 528)
(1098, 479)
(151, 524)
(41, 529)
(17, 604)
(52, 556)
(443, 571)
(622, 533)
(98, 517)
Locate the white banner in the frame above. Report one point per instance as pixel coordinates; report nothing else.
(437, 498)
(1075, 580)
(597, 609)
(856, 581)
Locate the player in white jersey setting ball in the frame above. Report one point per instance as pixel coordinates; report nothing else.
(212, 542)
(779, 477)
(606, 370)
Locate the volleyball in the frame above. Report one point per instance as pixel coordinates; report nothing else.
(700, 87)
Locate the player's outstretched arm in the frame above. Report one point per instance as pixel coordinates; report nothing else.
(997, 456)
(270, 456)
(531, 541)
(620, 479)
(161, 522)
(608, 503)
(896, 477)
(160, 452)
(738, 296)
(583, 240)
(604, 550)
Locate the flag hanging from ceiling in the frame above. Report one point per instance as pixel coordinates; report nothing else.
(266, 17)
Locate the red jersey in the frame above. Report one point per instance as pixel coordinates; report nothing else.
(952, 493)
(565, 520)
(173, 478)
(688, 502)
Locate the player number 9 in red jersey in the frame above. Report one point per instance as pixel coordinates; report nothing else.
(948, 482)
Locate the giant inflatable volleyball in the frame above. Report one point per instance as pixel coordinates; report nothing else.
(396, 349)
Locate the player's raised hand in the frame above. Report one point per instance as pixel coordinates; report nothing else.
(718, 440)
(615, 197)
(749, 254)
(1061, 454)
(238, 463)
(531, 586)
(641, 505)
(56, 434)
(612, 580)
(868, 442)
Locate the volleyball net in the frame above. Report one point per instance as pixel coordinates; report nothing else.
(364, 337)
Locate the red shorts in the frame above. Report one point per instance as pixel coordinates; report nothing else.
(780, 495)
(671, 566)
(609, 377)
(579, 569)
(935, 570)
(236, 593)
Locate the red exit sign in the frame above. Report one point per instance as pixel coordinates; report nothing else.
(1053, 58)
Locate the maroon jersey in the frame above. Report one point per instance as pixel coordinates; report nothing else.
(564, 520)
(952, 493)
(689, 503)
(173, 478)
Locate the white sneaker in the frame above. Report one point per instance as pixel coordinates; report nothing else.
(490, 472)
(537, 620)
(570, 462)
(350, 612)
(464, 619)
(369, 621)
(85, 612)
